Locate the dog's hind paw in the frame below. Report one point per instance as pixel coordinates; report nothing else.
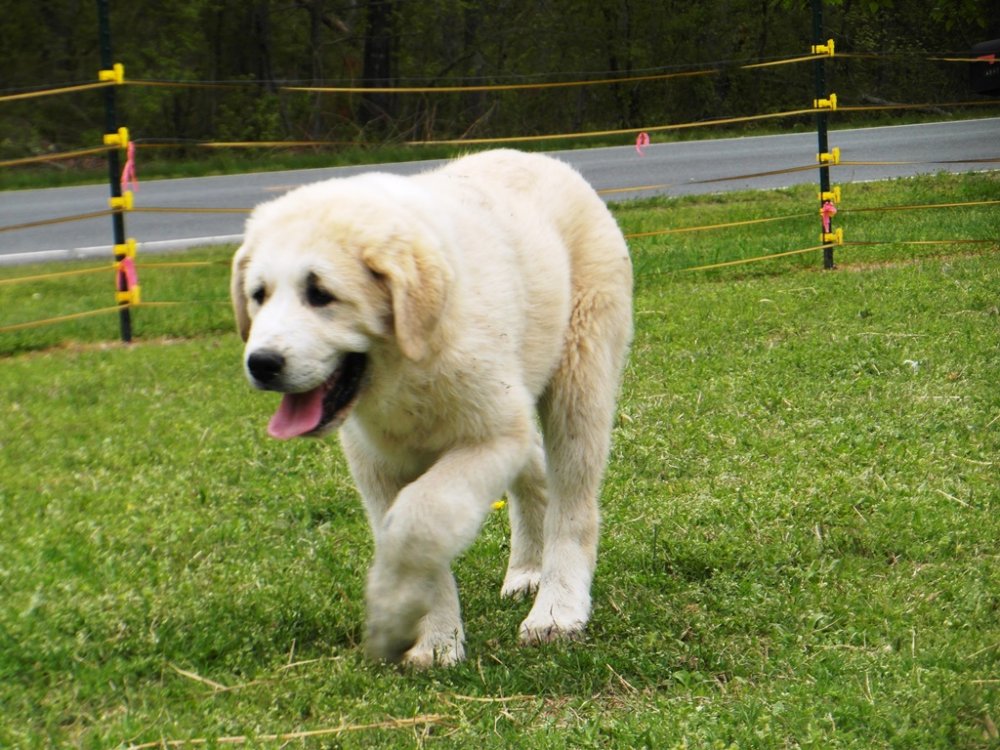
(554, 621)
(549, 631)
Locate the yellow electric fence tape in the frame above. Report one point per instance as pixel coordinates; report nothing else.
(493, 86)
(988, 160)
(925, 105)
(925, 242)
(56, 275)
(55, 91)
(59, 220)
(188, 210)
(963, 204)
(56, 156)
(618, 131)
(706, 227)
(59, 319)
(542, 85)
(744, 261)
(633, 189)
(116, 77)
(182, 264)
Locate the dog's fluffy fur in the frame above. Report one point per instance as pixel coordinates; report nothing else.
(466, 329)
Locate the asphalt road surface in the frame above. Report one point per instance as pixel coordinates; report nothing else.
(620, 173)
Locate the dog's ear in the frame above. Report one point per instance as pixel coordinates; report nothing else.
(237, 292)
(418, 281)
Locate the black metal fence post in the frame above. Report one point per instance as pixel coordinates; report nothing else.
(819, 68)
(114, 167)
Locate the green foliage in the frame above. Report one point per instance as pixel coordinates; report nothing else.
(800, 520)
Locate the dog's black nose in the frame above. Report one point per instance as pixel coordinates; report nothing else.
(265, 365)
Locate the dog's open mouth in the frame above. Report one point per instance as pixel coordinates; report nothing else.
(307, 413)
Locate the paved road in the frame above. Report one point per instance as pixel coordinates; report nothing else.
(670, 168)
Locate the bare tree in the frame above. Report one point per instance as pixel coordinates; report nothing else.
(379, 61)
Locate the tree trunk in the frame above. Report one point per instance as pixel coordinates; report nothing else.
(316, 64)
(263, 56)
(376, 108)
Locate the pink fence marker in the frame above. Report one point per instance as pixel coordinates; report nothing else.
(828, 211)
(641, 141)
(128, 172)
(127, 268)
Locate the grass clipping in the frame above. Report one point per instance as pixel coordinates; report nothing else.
(343, 728)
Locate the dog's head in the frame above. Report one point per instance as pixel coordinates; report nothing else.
(330, 278)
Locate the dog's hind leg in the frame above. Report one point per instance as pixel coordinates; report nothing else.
(577, 415)
(527, 501)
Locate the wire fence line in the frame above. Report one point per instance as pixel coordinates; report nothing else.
(125, 264)
(717, 67)
(153, 266)
(513, 139)
(607, 191)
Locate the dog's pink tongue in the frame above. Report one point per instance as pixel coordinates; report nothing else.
(298, 414)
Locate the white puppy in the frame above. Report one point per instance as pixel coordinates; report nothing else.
(466, 330)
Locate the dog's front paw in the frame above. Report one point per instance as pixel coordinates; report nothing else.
(428, 653)
(390, 645)
(520, 583)
(394, 614)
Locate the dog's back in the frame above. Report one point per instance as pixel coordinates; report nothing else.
(556, 218)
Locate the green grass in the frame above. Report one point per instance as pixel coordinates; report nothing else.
(801, 518)
(674, 252)
(203, 291)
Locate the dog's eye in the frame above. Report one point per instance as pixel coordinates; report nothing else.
(316, 295)
(319, 297)
(258, 295)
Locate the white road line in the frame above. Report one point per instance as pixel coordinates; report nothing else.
(104, 251)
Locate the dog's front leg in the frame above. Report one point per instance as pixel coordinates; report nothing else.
(435, 637)
(413, 608)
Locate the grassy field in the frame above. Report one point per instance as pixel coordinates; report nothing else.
(801, 515)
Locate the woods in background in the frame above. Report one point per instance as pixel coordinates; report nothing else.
(265, 44)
